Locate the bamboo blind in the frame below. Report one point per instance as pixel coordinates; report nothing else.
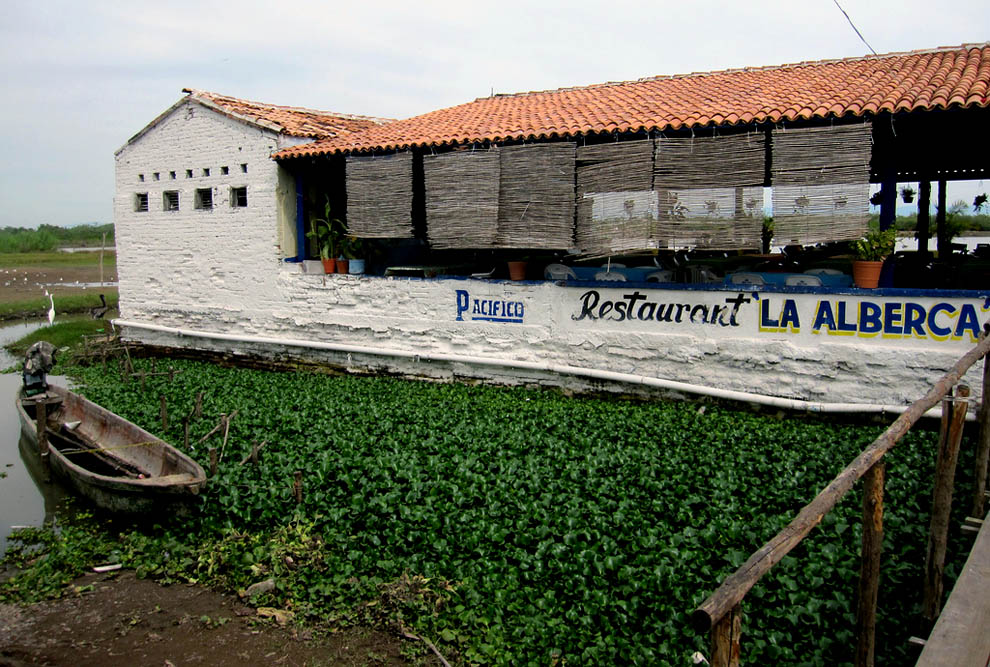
(462, 199)
(617, 207)
(821, 183)
(536, 196)
(710, 191)
(379, 196)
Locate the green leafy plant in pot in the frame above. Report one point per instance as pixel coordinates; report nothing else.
(871, 251)
(326, 231)
(353, 249)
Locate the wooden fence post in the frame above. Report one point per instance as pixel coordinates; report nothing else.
(164, 412)
(869, 572)
(297, 487)
(725, 639)
(185, 433)
(945, 471)
(41, 423)
(983, 446)
(213, 461)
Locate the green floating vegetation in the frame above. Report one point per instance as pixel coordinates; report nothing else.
(514, 526)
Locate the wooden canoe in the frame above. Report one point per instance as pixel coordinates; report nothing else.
(116, 464)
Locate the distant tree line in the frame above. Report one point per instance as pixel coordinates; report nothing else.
(960, 218)
(49, 237)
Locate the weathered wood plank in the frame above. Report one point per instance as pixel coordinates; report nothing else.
(961, 636)
(983, 446)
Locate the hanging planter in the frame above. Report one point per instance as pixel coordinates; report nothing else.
(907, 194)
(876, 198)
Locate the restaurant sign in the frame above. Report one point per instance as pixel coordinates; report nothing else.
(487, 309)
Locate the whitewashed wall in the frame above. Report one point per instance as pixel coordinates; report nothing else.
(179, 259)
(733, 342)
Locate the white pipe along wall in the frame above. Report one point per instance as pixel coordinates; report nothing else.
(699, 390)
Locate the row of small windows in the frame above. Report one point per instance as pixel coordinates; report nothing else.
(202, 199)
(224, 171)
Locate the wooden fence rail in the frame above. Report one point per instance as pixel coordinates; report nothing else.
(720, 613)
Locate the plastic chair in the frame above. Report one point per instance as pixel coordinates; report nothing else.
(747, 279)
(610, 276)
(559, 272)
(807, 280)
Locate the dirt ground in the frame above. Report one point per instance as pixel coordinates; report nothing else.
(118, 620)
(26, 282)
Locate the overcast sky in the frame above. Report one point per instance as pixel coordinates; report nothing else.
(80, 78)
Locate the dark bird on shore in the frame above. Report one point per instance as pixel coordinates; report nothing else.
(100, 311)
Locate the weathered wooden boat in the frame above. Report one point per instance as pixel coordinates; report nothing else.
(116, 464)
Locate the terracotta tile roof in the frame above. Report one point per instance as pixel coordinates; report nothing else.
(293, 121)
(918, 80)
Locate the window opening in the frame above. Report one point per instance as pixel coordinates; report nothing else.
(244, 167)
(141, 177)
(224, 171)
(157, 176)
(238, 197)
(141, 202)
(206, 171)
(170, 200)
(171, 175)
(188, 173)
(204, 198)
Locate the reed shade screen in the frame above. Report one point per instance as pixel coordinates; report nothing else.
(462, 199)
(536, 196)
(379, 196)
(617, 207)
(710, 191)
(821, 183)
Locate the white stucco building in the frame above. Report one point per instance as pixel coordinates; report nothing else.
(208, 225)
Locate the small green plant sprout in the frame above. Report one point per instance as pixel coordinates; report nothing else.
(876, 245)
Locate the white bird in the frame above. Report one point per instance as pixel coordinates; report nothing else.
(51, 311)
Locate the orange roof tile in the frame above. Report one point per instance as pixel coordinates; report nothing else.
(918, 80)
(293, 121)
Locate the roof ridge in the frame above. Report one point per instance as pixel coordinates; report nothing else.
(736, 70)
(216, 97)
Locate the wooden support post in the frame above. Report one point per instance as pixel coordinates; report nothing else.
(942, 238)
(213, 461)
(983, 446)
(164, 412)
(254, 453)
(41, 423)
(141, 375)
(297, 487)
(198, 410)
(869, 571)
(924, 204)
(945, 471)
(185, 434)
(725, 639)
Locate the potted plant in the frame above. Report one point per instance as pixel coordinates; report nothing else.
(871, 251)
(326, 231)
(517, 269)
(353, 249)
(907, 194)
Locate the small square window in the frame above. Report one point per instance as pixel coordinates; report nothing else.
(188, 173)
(238, 197)
(157, 176)
(244, 167)
(206, 171)
(204, 198)
(171, 175)
(170, 200)
(141, 177)
(141, 202)
(224, 171)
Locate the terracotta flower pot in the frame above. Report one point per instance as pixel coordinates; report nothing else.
(330, 266)
(517, 270)
(866, 274)
(342, 265)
